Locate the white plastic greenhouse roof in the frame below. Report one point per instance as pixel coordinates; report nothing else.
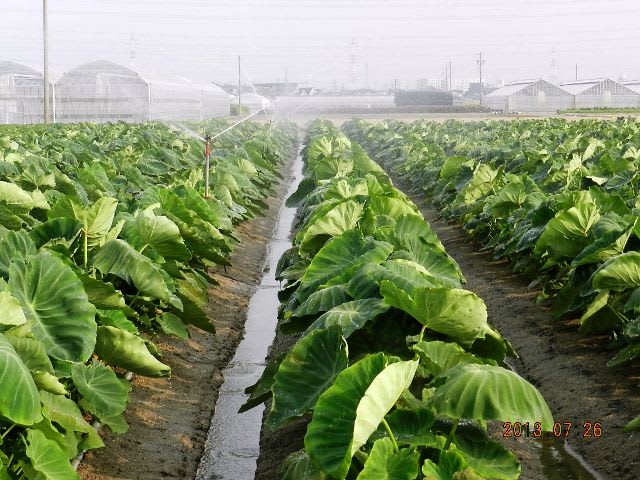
(513, 87)
(18, 69)
(580, 86)
(633, 85)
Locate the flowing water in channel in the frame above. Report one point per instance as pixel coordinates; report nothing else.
(232, 446)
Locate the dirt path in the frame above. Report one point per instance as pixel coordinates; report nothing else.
(568, 368)
(169, 418)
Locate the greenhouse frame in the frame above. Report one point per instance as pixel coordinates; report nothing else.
(528, 96)
(601, 92)
(21, 94)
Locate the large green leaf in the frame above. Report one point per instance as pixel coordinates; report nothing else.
(19, 399)
(486, 392)
(157, 232)
(438, 356)
(47, 458)
(335, 222)
(323, 300)
(338, 255)
(55, 229)
(103, 393)
(349, 411)
(54, 299)
(454, 312)
(125, 350)
(619, 273)
(11, 314)
(384, 464)
(65, 412)
(121, 259)
(96, 220)
(305, 373)
(489, 458)
(14, 245)
(566, 235)
(351, 316)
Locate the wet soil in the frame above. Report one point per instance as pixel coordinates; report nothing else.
(568, 368)
(169, 418)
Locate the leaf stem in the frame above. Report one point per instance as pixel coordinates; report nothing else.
(86, 247)
(390, 433)
(7, 431)
(451, 433)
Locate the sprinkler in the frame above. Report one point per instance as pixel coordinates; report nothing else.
(207, 157)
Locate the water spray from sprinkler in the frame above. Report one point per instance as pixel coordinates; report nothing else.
(207, 158)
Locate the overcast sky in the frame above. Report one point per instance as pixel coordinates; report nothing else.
(370, 42)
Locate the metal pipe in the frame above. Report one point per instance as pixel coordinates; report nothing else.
(45, 34)
(207, 158)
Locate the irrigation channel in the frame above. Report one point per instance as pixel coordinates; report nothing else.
(232, 446)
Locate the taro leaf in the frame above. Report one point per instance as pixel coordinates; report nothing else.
(450, 462)
(103, 393)
(566, 235)
(393, 207)
(121, 259)
(13, 246)
(487, 392)
(305, 373)
(125, 350)
(384, 463)
(488, 458)
(172, 325)
(101, 294)
(54, 299)
(414, 226)
(480, 184)
(340, 219)
(632, 331)
(351, 316)
(55, 229)
(436, 263)
(338, 255)
(350, 410)
(12, 314)
(306, 186)
(116, 318)
(19, 399)
(298, 466)
(600, 317)
(411, 427)
(65, 412)
(438, 356)
(32, 353)
(457, 313)
(157, 232)
(619, 273)
(451, 166)
(627, 354)
(96, 220)
(323, 300)
(49, 383)
(47, 458)
(194, 315)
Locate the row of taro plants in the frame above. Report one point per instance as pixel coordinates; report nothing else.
(395, 365)
(558, 199)
(105, 240)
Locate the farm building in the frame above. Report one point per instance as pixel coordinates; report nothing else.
(602, 92)
(104, 91)
(422, 98)
(528, 96)
(21, 94)
(252, 101)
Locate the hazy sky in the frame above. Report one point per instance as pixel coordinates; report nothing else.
(316, 40)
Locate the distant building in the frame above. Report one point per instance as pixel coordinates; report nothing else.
(528, 96)
(602, 93)
(419, 98)
(276, 89)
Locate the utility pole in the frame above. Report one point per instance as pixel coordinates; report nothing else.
(450, 79)
(480, 62)
(45, 34)
(576, 72)
(239, 89)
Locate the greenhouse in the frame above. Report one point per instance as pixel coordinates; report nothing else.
(107, 92)
(528, 96)
(101, 92)
(21, 94)
(602, 92)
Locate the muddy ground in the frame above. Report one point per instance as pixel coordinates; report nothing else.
(169, 418)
